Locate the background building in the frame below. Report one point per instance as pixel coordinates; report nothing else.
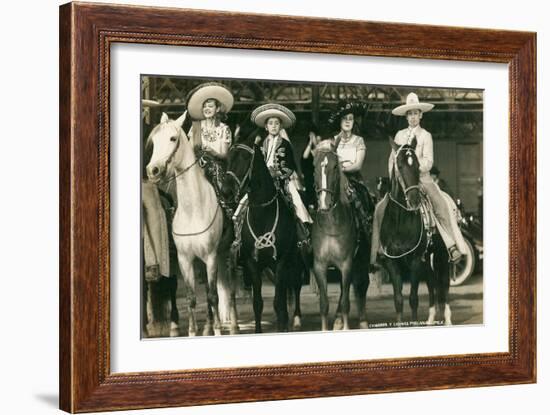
(456, 122)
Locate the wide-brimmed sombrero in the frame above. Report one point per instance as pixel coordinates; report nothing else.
(149, 103)
(203, 92)
(261, 114)
(412, 103)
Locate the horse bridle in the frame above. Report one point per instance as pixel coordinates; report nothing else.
(324, 189)
(246, 179)
(169, 157)
(401, 182)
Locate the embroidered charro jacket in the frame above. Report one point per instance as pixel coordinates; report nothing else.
(279, 157)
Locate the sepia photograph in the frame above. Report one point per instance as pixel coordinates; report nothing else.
(284, 206)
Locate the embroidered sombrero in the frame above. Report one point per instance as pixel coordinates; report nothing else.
(343, 108)
(261, 114)
(412, 103)
(203, 92)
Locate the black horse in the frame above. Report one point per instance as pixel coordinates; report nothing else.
(409, 249)
(268, 235)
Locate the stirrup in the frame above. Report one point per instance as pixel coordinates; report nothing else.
(454, 255)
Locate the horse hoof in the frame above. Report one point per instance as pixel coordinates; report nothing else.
(174, 330)
(447, 315)
(338, 324)
(207, 331)
(363, 325)
(297, 324)
(192, 333)
(152, 331)
(217, 332)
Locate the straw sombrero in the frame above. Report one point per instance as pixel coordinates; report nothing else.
(203, 92)
(146, 103)
(261, 114)
(412, 103)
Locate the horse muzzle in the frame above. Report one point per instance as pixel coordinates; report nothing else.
(154, 173)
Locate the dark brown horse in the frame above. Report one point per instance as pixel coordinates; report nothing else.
(334, 240)
(409, 250)
(268, 233)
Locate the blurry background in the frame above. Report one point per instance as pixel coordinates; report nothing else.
(456, 122)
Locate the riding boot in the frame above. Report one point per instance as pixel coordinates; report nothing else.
(302, 234)
(304, 242)
(362, 219)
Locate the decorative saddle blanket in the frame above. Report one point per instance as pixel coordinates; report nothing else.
(428, 215)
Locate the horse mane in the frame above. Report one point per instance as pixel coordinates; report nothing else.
(344, 183)
(248, 133)
(327, 146)
(149, 141)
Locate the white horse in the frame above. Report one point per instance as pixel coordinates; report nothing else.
(198, 221)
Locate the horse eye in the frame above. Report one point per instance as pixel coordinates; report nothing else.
(172, 139)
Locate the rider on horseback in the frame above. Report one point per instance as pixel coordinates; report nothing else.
(279, 158)
(351, 151)
(448, 228)
(208, 104)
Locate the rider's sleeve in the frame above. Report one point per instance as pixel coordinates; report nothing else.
(427, 156)
(226, 141)
(288, 165)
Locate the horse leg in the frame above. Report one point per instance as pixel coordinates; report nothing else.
(157, 308)
(431, 294)
(233, 317)
(444, 296)
(208, 329)
(360, 287)
(297, 288)
(257, 300)
(186, 266)
(397, 284)
(413, 294)
(320, 271)
(280, 301)
(151, 326)
(338, 321)
(344, 304)
(174, 314)
(227, 286)
(212, 292)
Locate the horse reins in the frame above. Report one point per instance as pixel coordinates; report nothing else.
(268, 239)
(401, 182)
(241, 183)
(169, 158)
(405, 189)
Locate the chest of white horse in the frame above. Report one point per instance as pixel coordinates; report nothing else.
(197, 238)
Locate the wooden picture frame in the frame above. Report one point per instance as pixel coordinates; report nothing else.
(86, 33)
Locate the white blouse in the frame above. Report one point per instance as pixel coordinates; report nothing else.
(217, 138)
(347, 150)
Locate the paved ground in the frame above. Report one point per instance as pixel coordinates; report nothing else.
(466, 305)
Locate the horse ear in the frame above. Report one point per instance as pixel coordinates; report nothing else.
(164, 118)
(392, 144)
(181, 119)
(414, 143)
